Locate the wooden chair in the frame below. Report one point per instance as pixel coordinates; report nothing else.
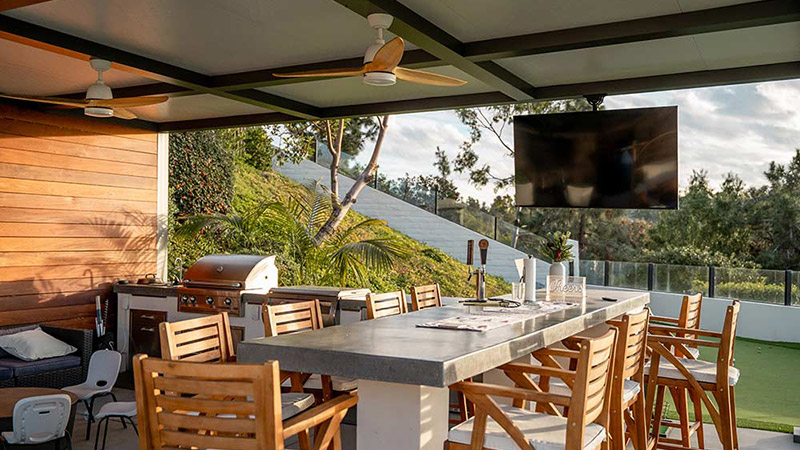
(627, 420)
(178, 406)
(689, 318)
(327, 309)
(509, 427)
(427, 296)
(298, 317)
(666, 370)
(208, 340)
(204, 339)
(388, 304)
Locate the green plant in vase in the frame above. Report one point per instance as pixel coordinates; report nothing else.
(558, 250)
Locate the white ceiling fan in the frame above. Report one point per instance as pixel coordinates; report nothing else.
(381, 61)
(99, 100)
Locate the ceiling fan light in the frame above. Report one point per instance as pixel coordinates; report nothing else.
(379, 78)
(98, 111)
(99, 91)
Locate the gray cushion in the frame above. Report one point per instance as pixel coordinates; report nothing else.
(702, 371)
(35, 344)
(23, 368)
(6, 373)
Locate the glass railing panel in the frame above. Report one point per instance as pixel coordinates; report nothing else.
(795, 288)
(755, 285)
(594, 271)
(680, 279)
(477, 221)
(628, 274)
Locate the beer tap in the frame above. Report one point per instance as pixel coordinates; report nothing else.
(479, 272)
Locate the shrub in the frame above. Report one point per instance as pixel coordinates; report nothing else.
(201, 172)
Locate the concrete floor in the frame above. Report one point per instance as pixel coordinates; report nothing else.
(122, 439)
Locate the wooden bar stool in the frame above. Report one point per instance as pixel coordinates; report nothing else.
(583, 427)
(298, 317)
(666, 370)
(175, 407)
(427, 296)
(208, 340)
(387, 304)
(689, 318)
(627, 419)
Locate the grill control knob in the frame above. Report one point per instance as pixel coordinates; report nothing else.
(210, 300)
(228, 301)
(192, 300)
(184, 298)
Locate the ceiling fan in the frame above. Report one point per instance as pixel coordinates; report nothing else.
(99, 101)
(381, 63)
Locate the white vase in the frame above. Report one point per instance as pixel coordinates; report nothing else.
(558, 269)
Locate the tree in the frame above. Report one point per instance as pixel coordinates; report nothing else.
(493, 121)
(441, 183)
(340, 135)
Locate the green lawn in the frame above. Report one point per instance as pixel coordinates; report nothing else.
(767, 393)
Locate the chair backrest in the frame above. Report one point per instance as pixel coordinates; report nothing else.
(591, 389)
(103, 369)
(726, 344)
(327, 306)
(184, 404)
(631, 347)
(388, 304)
(690, 312)
(289, 318)
(204, 339)
(41, 419)
(425, 297)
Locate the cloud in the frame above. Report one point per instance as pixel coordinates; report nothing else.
(724, 129)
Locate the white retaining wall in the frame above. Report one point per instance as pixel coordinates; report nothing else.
(419, 224)
(763, 321)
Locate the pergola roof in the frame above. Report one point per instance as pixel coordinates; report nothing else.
(215, 58)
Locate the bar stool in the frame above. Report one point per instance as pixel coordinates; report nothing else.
(665, 370)
(582, 427)
(689, 318)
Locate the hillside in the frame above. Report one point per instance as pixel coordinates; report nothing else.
(424, 264)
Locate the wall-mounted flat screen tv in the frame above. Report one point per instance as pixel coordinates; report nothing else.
(603, 159)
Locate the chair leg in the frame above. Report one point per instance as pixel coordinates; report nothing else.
(734, 427)
(617, 426)
(135, 430)
(659, 413)
(640, 425)
(97, 433)
(105, 433)
(90, 417)
(698, 417)
(682, 408)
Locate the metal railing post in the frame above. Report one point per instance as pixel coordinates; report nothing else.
(651, 276)
(376, 179)
(606, 272)
(436, 200)
(712, 280)
(787, 288)
(495, 228)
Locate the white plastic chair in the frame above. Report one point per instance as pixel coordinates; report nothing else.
(40, 419)
(103, 371)
(114, 410)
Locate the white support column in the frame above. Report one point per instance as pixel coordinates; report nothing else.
(162, 208)
(394, 416)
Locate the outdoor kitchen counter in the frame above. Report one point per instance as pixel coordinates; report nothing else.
(146, 290)
(403, 371)
(393, 349)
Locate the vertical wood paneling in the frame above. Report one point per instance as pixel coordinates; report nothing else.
(78, 204)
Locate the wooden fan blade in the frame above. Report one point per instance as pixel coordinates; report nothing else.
(422, 77)
(129, 102)
(123, 113)
(387, 57)
(343, 72)
(74, 103)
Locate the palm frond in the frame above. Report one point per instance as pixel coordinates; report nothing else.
(193, 225)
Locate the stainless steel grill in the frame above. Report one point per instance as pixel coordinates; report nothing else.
(215, 283)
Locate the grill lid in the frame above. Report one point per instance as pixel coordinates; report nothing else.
(229, 271)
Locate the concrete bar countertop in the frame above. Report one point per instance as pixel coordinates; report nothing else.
(393, 349)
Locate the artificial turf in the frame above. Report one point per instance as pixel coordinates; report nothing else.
(768, 391)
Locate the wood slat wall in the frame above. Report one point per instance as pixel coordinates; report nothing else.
(78, 204)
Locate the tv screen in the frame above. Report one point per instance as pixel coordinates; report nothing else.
(601, 159)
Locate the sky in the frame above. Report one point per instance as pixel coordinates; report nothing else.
(725, 129)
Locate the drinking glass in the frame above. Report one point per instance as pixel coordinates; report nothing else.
(518, 291)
